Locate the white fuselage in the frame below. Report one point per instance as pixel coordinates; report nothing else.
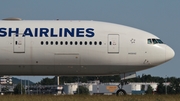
(76, 48)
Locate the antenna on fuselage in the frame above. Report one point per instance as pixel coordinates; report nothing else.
(12, 19)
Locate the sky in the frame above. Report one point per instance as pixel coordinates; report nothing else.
(159, 17)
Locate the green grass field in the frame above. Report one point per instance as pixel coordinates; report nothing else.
(90, 98)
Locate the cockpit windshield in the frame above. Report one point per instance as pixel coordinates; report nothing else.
(159, 41)
(154, 41)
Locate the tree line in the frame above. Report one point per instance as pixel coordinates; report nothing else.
(107, 79)
(173, 88)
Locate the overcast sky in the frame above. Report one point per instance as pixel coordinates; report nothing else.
(160, 17)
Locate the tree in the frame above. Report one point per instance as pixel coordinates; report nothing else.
(177, 89)
(17, 89)
(161, 88)
(48, 81)
(82, 90)
(149, 90)
(171, 90)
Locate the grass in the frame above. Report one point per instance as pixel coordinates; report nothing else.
(90, 98)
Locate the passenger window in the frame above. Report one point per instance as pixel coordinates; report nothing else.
(85, 42)
(42, 42)
(61, 43)
(66, 43)
(76, 42)
(95, 43)
(149, 41)
(56, 43)
(71, 43)
(100, 43)
(51, 42)
(90, 43)
(47, 42)
(80, 43)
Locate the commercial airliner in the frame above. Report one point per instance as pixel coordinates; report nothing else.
(77, 48)
(62, 47)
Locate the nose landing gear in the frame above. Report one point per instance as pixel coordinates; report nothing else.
(123, 77)
(121, 91)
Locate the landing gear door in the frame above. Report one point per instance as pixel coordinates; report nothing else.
(19, 44)
(113, 43)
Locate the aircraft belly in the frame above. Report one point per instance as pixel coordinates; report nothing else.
(67, 69)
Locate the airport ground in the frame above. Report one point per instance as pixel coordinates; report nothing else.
(90, 98)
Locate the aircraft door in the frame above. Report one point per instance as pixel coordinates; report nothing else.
(19, 44)
(113, 43)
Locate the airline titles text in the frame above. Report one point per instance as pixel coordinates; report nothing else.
(48, 32)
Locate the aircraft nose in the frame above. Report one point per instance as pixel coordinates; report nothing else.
(169, 53)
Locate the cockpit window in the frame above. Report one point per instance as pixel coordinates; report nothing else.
(159, 41)
(154, 41)
(149, 41)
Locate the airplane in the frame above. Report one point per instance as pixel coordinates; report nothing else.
(62, 47)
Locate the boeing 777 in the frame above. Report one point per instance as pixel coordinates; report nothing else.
(62, 47)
